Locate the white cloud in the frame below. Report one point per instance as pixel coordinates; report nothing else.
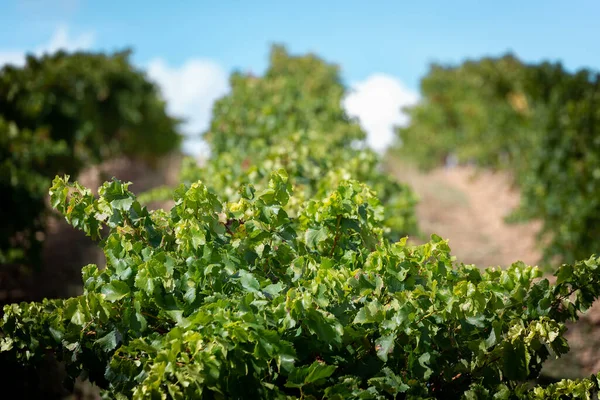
(377, 102)
(60, 40)
(190, 91)
(196, 147)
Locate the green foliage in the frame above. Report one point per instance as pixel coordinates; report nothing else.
(296, 94)
(218, 299)
(292, 118)
(62, 112)
(561, 184)
(539, 121)
(23, 183)
(476, 111)
(97, 104)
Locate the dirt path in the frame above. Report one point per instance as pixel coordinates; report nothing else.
(469, 210)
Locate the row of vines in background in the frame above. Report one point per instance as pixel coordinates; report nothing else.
(60, 113)
(538, 121)
(292, 118)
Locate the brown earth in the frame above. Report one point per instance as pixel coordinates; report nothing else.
(468, 208)
(66, 249)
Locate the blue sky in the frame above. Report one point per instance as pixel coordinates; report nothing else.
(383, 47)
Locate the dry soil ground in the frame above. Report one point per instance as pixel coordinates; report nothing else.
(468, 209)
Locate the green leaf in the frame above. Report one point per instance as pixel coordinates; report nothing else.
(190, 295)
(313, 237)
(564, 274)
(110, 341)
(287, 360)
(389, 382)
(477, 320)
(115, 290)
(198, 237)
(143, 281)
(139, 321)
(117, 195)
(384, 346)
(318, 371)
(123, 203)
(270, 213)
(273, 289)
(325, 327)
(312, 374)
(515, 361)
(248, 192)
(248, 281)
(369, 313)
(56, 334)
(495, 334)
(424, 360)
(79, 318)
